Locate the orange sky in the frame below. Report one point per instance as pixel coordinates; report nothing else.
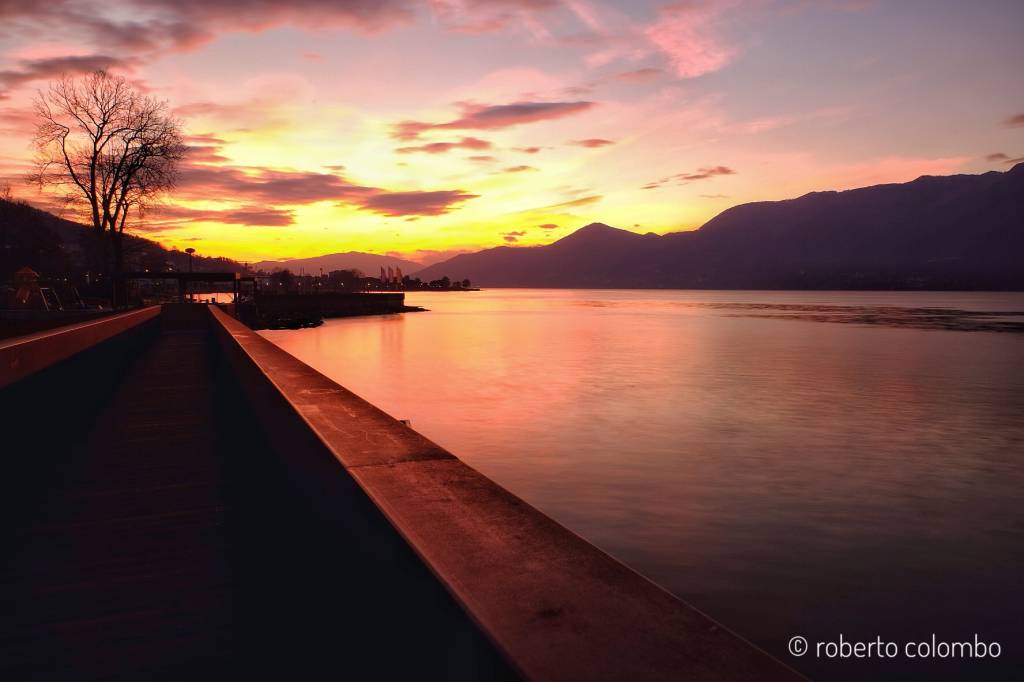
(425, 128)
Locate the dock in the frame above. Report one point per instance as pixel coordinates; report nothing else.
(182, 499)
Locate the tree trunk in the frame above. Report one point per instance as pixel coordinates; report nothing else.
(119, 289)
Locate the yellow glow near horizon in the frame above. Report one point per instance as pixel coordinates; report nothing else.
(659, 119)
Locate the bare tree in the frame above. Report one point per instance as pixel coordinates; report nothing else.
(110, 148)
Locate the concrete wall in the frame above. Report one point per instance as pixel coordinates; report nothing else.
(24, 355)
(556, 607)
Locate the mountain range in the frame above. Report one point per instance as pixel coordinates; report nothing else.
(949, 232)
(369, 263)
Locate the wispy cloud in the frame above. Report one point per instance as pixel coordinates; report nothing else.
(574, 203)
(53, 67)
(639, 74)
(691, 176)
(444, 147)
(688, 34)
(493, 117)
(592, 142)
(705, 173)
(276, 188)
(167, 216)
(486, 16)
(414, 203)
(153, 26)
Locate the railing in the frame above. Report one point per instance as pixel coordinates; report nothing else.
(24, 355)
(554, 605)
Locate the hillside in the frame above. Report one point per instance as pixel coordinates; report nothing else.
(951, 232)
(54, 246)
(368, 263)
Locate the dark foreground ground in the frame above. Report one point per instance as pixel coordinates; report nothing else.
(150, 534)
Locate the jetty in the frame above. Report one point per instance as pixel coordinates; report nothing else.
(294, 310)
(182, 499)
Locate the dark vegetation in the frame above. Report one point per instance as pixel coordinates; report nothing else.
(57, 249)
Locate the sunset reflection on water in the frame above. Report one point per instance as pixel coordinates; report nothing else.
(784, 475)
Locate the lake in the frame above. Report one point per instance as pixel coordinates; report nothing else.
(791, 463)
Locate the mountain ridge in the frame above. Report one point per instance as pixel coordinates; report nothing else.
(945, 232)
(368, 263)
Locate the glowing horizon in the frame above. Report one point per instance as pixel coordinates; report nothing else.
(427, 128)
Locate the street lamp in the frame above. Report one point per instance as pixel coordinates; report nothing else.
(190, 251)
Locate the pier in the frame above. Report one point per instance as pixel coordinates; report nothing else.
(184, 500)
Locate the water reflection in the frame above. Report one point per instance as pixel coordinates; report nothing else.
(785, 475)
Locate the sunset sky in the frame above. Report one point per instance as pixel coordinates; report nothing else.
(425, 128)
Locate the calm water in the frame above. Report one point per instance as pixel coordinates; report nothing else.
(789, 462)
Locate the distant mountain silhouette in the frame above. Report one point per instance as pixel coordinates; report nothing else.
(952, 232)
(368, 263)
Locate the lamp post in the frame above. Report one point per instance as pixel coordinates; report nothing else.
(190, 251)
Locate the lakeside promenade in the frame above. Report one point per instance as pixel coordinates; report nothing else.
(185, 500)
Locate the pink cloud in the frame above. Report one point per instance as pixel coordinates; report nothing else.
(247, 215)
(444, 147)
(592, 142)
(687, 33)
(493, 117)
(53, 67)
(204, 154)
(270, 186)
(574, 203)
(17, 121)
(414, 203)
(691, 176)
(487, 117)
(705, 173)
(638, 74)
(159, 25)
(759, 125)
(486, 16)
(281, 187)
